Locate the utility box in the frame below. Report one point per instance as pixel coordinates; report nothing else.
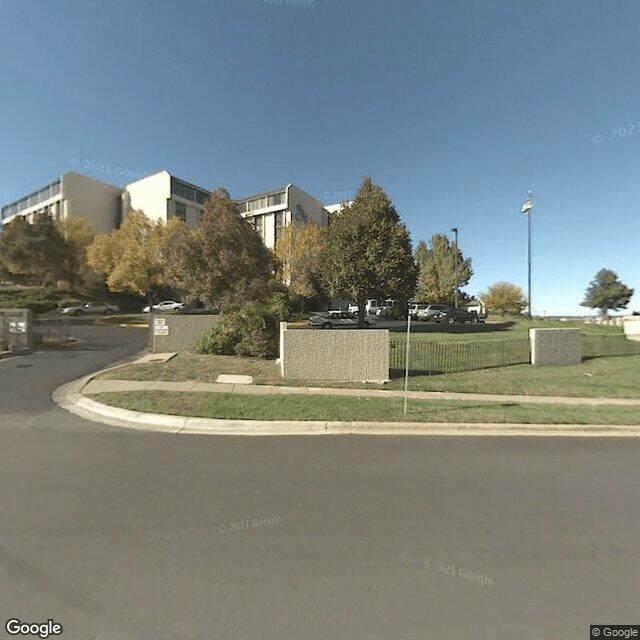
(16, 328)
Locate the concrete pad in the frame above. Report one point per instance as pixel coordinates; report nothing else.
(229, 378)
(156, 357)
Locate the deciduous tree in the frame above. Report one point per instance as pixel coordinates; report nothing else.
(132, 258)
(368, 251)
(36, 252)
(606, 292)
(298, 251)
(437, 277)
(504, 297)
(79, 235)
(222, 260)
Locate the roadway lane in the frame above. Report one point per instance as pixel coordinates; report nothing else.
(27, 381)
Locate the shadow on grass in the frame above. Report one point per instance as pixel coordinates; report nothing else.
(413, 373)
(434, 327)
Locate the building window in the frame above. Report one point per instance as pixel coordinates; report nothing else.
(276, 199)
(201, 196)
(188, 191)
(181, 211)
(279, 225)
(258, 225)
(119, 214)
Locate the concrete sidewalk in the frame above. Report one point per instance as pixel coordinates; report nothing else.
(100, 386)
(73, 397)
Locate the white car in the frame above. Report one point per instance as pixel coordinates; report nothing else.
(165, 305)
(338, 319)
(414, 309)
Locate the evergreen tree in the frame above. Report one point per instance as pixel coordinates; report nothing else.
(368, 251)
(606, 292)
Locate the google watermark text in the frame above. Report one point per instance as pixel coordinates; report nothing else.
(15, 627)
(461, 573)
(255, 523)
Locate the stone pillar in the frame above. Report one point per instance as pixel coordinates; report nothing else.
(555, 347)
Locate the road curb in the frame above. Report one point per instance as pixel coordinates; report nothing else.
(70, 397)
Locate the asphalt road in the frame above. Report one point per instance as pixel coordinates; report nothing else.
(118, 534)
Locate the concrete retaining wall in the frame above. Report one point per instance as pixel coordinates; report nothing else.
(632, 327)
(555, 346)
(360, 355)
(176, 332)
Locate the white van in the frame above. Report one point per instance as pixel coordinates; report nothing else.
(374, 306)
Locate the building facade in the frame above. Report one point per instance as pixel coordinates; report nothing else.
(271, 211)
(72, 194)
(160, 197)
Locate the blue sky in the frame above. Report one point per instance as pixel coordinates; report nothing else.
(456, 108)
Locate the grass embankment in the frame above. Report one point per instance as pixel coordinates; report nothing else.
(247, 407)
(497, 329)
(595, 378)
(606, 377)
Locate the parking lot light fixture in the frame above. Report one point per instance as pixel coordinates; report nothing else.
(527, 208)
(455, 230)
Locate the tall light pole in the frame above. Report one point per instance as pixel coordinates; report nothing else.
(455, 230)
(527, 209)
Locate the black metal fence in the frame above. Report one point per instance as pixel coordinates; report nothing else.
(431, 357)
(427, 357)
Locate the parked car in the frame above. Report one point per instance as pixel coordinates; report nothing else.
(373, 306)
(414, 308)
(458, 315)
(165, 305)
(393, 313)
(353, 307)
(431, 312)
(338, 319)
(90, 307)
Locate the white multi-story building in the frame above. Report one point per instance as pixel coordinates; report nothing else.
(72, 194)
(162, 196)
(271, 211)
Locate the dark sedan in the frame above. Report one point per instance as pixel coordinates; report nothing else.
(452, 316)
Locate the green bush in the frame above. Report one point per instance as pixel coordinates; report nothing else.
(252, 330)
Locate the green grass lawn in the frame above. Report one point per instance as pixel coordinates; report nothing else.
(595, 378)
(204, 368)
(497, 329)
(607, 377)
(249, 407)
